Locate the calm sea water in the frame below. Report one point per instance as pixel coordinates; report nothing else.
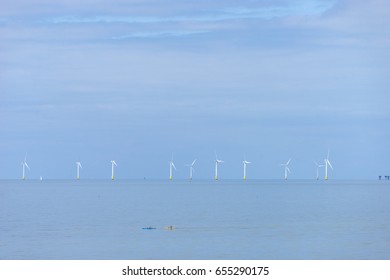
(211, 220)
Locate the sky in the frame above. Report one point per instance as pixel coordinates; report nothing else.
(140, 82)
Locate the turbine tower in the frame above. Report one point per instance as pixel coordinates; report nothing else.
(78, 164)
(112, 169)
(286, 169)
(217, 161)
(192, 169)
(24, 165)
(327, 162)
(318, 167)
(245, 162)
(171, 164)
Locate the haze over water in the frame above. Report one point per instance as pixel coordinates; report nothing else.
(232, 219)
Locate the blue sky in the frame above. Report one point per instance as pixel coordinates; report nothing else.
(136, 81)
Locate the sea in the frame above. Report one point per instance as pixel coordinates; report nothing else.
(194, 220)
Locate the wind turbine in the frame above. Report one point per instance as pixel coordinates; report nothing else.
(24, 165)
(245, 162)
(112, 169)
(326, 161)
(217, 161)
(192, 169)
(286, 169)
(78, 164)
(171, 164)
(318, 167)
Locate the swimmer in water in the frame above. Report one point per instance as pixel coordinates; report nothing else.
(149, 227)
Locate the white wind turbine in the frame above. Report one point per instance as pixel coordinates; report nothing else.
(327, 162)
(192, 169)
(286, 169)
(78, 164)
(112, 169)
(217, 161)
(318, 167)
(171, 164)
(24, 165)
(245, 162)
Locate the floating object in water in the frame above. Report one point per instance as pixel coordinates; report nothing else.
(148, 228)
(169, 228)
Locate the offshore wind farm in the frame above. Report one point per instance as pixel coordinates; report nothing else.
(217, 161)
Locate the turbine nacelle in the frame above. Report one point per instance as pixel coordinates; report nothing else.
(113, 163)
(192, 169)
(327, 162)
(78, 164)
(217, 161)
(245, 162)
(286, 169)
(24, 165)
(171, 164)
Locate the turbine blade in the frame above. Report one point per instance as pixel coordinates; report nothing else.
(193, 162)
(288, 169)
(173, 165)
(330, 164)
(25, 163)
(288, 161)
(328, 154)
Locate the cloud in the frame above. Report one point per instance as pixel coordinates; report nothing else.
(161, 34)
(301, 8)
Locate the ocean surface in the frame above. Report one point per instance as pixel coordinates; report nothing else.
(259, 219)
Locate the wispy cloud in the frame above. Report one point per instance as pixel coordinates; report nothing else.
(301, 8)
(161, 34)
